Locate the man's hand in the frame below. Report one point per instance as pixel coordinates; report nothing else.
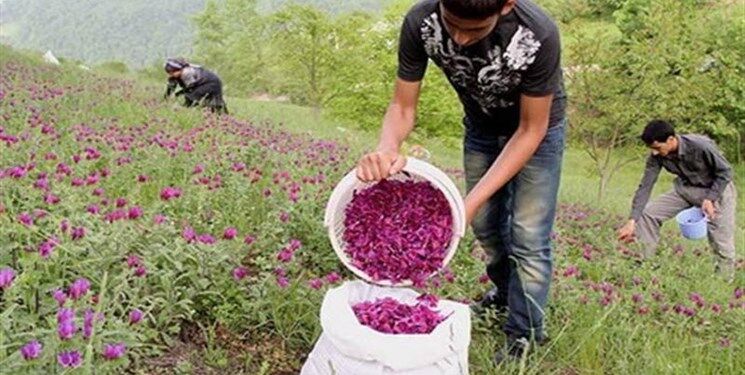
(709, 210)
(626, 233)
(379, 165)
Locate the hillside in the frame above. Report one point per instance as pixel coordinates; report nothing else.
(137, 32)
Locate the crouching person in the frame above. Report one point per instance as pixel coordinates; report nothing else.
(199, 86)
(704, 179)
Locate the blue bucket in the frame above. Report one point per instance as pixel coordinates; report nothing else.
(692, 223)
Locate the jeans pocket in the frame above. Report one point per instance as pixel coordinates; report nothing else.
(554, 141)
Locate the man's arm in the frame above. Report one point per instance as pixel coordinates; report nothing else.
(534, 116)
(170, 87)
(398, 123)
(399, 118)
(641, 197)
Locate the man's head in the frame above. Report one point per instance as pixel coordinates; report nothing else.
(174, 66)
(468, 21)
(660, 136)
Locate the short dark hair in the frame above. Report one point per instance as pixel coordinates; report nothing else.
(657, 130)
(473, 9)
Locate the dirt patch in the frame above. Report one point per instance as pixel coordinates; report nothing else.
(222, 352)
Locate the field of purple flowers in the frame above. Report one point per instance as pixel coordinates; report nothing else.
(135, 236)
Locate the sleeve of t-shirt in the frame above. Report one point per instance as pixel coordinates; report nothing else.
(544, 74)
(412, 59)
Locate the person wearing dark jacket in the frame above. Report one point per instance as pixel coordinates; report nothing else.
(704, 178)
(199, 86)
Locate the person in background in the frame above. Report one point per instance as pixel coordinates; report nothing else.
(704, 179)
(502, 57)
(199, 86)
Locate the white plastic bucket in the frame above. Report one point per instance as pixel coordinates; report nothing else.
(416, 170)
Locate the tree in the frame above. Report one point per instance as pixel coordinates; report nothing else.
(661, 66)
(306, 43)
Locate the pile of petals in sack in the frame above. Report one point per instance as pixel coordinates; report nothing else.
(388, 315)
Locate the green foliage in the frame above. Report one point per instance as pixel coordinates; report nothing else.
(672, 61)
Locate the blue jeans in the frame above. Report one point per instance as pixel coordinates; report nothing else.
(514, 227)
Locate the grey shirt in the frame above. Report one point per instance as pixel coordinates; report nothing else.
(698, 163)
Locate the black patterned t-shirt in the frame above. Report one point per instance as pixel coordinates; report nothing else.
(520, 56)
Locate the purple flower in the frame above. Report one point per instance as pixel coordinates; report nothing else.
(121, 202)
(159, 219)
(230, 233)
(66, 329)
(59, 296)
(284, 216)
(26, 219)
(88, 321)
(135, 316)
(79, 288)
(135, 212)
(46, 247)
(282, 281)
(316, 283)
(69, 359)
(295, 244)
(239, 273)
(249, 239)
(78, 233)
(93, 209)
(587, 252)
(206, 239)
(32, 350)
(64, 226)
(285, 255)
(7, 275)
(739, 292)
(332, 277)
(169, 193)
(65, 315)
(189, 234)
(697, 299)
(114, 351)
(637, 298)
(140, 271)
(237, 167)
(571, 271)
(133, 261)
